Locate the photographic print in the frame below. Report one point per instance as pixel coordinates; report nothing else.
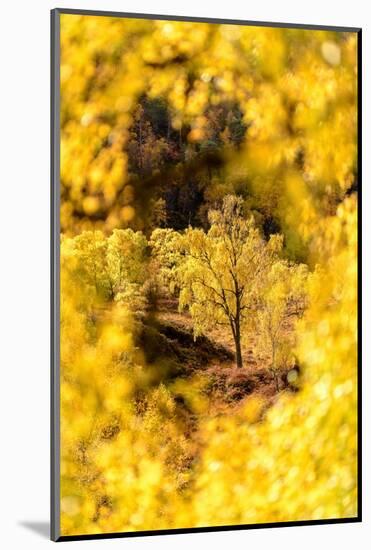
(205, 262)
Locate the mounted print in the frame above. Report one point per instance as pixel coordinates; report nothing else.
(205, 194)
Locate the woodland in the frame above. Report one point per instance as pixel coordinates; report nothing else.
(208, 274)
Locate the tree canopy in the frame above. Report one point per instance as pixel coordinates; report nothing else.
(211, 167)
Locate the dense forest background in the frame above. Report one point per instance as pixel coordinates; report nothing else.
(208, 274)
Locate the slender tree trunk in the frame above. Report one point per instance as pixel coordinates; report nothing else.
(237, 341)
(238, 354)
(237, 327)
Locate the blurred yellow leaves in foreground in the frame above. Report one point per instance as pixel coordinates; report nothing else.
(126, 463)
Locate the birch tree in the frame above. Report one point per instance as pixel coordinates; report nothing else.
(221, 268)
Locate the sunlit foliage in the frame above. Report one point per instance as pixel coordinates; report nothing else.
(214, 165)
(281, 295)
(220, 275)
(166, 257)
(296, 92)
(300, 462)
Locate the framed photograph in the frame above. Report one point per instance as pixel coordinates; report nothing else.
(206, 188)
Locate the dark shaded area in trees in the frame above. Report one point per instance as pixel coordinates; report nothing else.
(165, 165)
(173, 351)
(270, 226)
(182, 204)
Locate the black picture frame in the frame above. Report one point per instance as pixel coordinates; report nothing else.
(55, 275)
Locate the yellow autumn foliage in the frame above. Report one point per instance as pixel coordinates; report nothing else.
(139, 450)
